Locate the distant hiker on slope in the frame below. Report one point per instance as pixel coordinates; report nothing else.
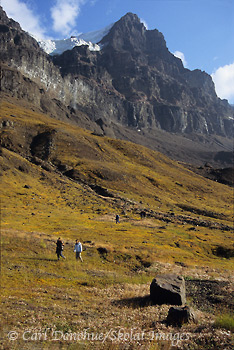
(117, 219)
(78, 250)
(59, 248)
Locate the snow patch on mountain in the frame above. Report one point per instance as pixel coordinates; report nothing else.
(91, 39)
(57, 47)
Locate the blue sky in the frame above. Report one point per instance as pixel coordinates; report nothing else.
(201, 32)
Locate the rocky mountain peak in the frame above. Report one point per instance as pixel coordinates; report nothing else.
(130, 49)
(130, 34)
(126, 35)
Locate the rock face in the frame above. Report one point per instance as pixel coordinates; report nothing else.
(133, 83)
(177, 316)
(168, 289)
(156, 90)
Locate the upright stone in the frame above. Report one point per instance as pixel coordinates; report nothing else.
(178, 315)
(168, 289)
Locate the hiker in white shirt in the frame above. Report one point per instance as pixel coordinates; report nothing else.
(78, 250)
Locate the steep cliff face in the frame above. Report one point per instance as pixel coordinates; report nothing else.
(133, 81)
(21, 52)
(145, 72)
(157, 91)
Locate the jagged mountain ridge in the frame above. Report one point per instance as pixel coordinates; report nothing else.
(134, 88)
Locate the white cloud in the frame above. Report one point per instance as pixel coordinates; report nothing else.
(144, 22)
(181, 56)
(64, 14)
(223, 79)
(21, 12)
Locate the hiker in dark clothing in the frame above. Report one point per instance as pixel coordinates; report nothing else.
(117, 219)
(59, 248)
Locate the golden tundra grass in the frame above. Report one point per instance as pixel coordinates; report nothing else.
(101, 294)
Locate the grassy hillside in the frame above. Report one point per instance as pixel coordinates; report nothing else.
(60, 180)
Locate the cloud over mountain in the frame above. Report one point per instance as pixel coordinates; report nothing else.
(223, 78)
(64, 14)
(180, 55)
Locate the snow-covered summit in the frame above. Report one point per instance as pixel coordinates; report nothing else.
(56, 47)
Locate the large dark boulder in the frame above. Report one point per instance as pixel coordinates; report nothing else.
(168, 289)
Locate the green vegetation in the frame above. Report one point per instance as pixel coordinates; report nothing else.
(225, 321)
